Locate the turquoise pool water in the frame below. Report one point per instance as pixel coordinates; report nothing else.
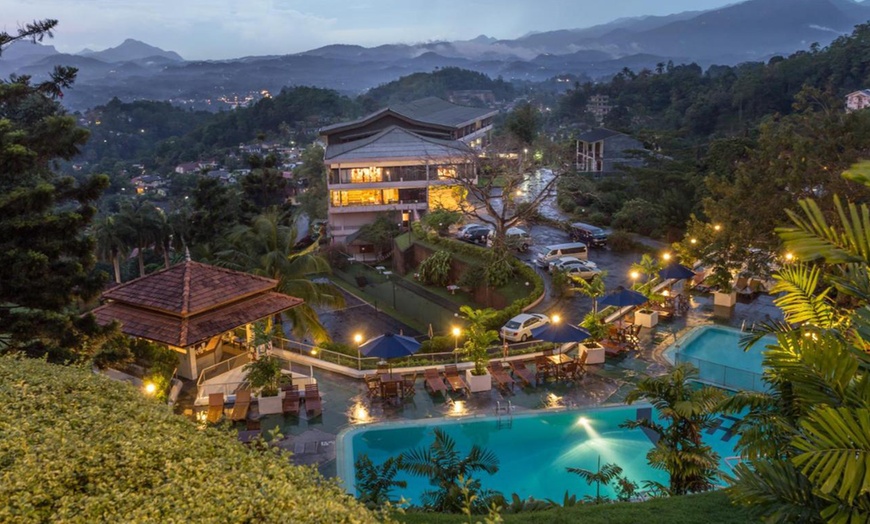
(716, 352)
(533, 452)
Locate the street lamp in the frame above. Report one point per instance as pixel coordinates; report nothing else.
(717, 227)
(150, 388)
(456, 333)
(358, 339)
(556, 319)
(666, 257)
(789, 257)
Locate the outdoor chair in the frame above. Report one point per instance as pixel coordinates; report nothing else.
(290, 403)
(290, 387)
(243, 403)
(548, 352)
(373, 385)
(451, 374)
(391, 392)
(523, 373)
(215, 407)
(313, 401)
(503, 381)
(252, 424)
(544, 369)
(383, 369)
(408, 385)
(434, 382)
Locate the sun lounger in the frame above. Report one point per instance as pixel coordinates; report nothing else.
(502, 380)
(434, 382)
(451, 374)
(240, 408)
(313, 402)
(215, 407)
(526, 376)
(290, 403)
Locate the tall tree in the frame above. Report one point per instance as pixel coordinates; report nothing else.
(266, 247)
(46, 258)
(111, 243)
(141, 225)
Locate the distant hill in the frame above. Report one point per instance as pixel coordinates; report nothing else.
(131, 50)
(24, 49)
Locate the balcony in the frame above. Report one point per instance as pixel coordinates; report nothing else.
(363, 207)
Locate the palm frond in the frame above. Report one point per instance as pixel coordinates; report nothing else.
(814, 239)
(802, 301)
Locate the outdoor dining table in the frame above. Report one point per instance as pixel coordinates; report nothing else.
(388, 378)
(559, 359)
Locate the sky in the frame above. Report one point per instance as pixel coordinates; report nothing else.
(218, 29)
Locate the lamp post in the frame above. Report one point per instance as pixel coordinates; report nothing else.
(456, 333)
(358, 339)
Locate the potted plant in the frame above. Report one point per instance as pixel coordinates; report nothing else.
(594, 323)
(479, 338)
(264, 374)
(724, 294)
(646, 317)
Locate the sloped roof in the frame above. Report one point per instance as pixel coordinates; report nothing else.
(431, 110)
(189, 288)
(395, 143)
(597, 134)
(189, 330)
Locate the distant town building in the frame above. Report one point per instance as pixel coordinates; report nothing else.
(599, 106)
(601, 151)
(472, 97)
(403, 158)
(187, 167)
(858, 100)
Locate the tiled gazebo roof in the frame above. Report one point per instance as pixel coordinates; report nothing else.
(190, 303)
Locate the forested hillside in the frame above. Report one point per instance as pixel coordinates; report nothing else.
(437, 83)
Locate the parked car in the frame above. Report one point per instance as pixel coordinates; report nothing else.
(465, 227)
(477, 235)
(547, 254)
(592, 236)
(515, 238)
(562, 263)
(585, 270)
(519, 328)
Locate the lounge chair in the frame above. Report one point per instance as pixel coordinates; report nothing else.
(503, 381)
(313, 401)
(290, 403)
(240, 408)
(451, 374)
(523, 373)
(215, 407)
(434, 382)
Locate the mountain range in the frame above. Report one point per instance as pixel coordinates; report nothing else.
(747, 31)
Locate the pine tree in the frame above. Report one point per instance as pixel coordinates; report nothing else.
(46, 259)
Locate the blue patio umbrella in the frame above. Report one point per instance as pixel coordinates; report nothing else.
(623, 297)
(676, 271)
(389, 345)
(560, 333)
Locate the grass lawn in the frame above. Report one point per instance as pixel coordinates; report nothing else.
(706, 508)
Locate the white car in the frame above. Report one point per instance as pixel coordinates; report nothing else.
(583, 270)
(519, 328)
(564, 262)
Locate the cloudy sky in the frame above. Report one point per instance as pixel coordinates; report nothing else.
(213, 29)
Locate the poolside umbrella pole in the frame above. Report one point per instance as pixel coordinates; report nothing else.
(388, 346)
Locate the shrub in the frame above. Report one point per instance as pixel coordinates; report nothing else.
(622, 242)
(439, 344)
(639, 216)
(435, 270)
(472, 278)
(561, 283)
(336, 257)
(79, 447)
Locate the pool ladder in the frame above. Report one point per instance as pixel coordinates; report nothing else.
(504, 414)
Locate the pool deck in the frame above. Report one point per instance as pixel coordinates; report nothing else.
(313, 441)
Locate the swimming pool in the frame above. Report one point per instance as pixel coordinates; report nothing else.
(533, 452)
(715, 351)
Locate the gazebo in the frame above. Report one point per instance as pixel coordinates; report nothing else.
(189, 307)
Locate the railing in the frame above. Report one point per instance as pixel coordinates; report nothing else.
(204, 388)
(360, 362)
(222, 367)
(722, 375)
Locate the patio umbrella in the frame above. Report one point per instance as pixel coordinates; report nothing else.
(676, 271)
(560, 333)
(623, 297)
(389, 345)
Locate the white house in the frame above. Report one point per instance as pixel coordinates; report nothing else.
(858, 100)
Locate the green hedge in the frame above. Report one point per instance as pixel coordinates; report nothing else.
(79, 447)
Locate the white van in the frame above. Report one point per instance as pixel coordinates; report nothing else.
(548, 254)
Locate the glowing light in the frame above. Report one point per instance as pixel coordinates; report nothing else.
(693, 240)
(359, 414)
(458, 408)
(634, 275)
(313, 351)
(553, 401)
(456, 331)
(582, 421)
(789, 257)
(666, 293)
(556, 319)
(666, 256)
(358, 338)
(150, 388)
(717, 227)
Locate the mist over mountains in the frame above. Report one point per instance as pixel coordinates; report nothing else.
(749, 31)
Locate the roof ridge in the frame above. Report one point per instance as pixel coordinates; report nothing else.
(185, 289)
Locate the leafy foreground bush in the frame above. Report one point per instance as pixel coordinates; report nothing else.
(77, 447)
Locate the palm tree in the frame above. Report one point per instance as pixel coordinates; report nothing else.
(807, 439)
(452, 475)
(603, 475)
(686, 411)
(111, 244)
(375, 483)
(266, 248)
(139, 223)
(593, 289)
